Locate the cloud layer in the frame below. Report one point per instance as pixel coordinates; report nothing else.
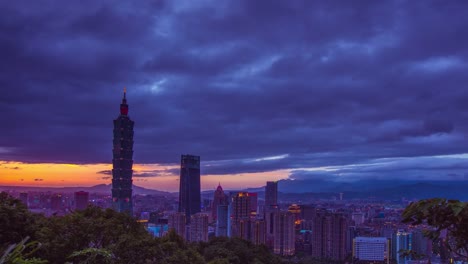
(326, 84)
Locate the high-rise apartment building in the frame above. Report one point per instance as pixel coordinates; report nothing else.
(81, 200)
(284, 233)
(122, 161)
(241, 205)
(199, 227)
(177, 222)
(258, 231)
(189, 189)
(219, 198)
(239, 214)
(329, 233)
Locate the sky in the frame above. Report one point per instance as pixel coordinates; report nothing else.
(261, 90)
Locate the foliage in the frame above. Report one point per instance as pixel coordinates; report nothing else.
(19, 253)
(17, 222)
(92, 255)
(444, 216)
(235, 250)
(95, 235)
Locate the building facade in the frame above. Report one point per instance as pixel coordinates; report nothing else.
(271, 194)
(189, 188)
(219, 198)
(122, 161)
(199, 227)
(329, 232)
(177, 222)
(401, 241)
(81, 200)
(370, 248)
(284, 234)
(222, 220)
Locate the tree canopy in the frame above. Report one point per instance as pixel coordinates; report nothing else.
(96, 235)
(448, 221)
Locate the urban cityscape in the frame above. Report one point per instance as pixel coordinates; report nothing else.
(250, 132)
(331, 228)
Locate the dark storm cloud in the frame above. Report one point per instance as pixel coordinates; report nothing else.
(328, 83)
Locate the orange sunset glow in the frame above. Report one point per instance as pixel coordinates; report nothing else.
(152, 176)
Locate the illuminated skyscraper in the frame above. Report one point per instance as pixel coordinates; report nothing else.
(189, 190)
(122, 161)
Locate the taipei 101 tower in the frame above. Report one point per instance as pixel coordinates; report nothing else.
(122, 161)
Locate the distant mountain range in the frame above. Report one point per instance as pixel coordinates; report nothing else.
(101, 188)
(389, 190)
(380, 189)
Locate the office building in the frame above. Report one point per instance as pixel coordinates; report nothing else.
(219, 198)
(81, 200)
(189, 189)
(222, 220)
(122, 161)
(401, 241)
(284, 234)
(370, 248)
(199, 227)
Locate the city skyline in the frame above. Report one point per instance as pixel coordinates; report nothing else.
(262, 91)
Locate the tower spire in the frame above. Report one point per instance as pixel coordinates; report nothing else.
(124, 105)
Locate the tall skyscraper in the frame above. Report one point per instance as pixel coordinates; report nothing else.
(271, 206)
(222, 220)
(122, 161)
(189, 190)
(81, 200)
(283, 232)
(219, 198)
(271, 194)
